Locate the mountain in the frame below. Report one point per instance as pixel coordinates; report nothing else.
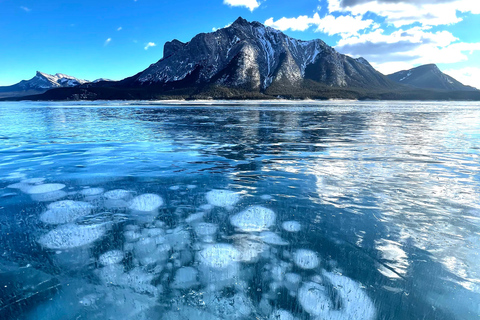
(429, 76)
(248, 60)
(39, 84)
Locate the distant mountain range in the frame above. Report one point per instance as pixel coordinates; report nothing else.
(40, 84)
(248, 60)
(429, 77)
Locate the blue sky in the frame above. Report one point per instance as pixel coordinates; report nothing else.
(115, 39)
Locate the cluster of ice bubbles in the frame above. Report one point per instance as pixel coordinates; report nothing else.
(195, 269)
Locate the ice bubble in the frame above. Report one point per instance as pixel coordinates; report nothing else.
(111, 257)
(266, 197)
(249, 246)
(253, 219)
(132, 235)
(111, 274)
(292, 281)
(174, 188)
(205, 231)
(222, 198)
(147, 251)
(281, 315)
(272, 238)
(291, 226)
(191, 186)
(185, 278)
(314, 299)
(355, 304)
(306, 259)
(45, 188)
(206, 207)
(195, 217)
(24, 187)
(238, 306)
(89, 192)
(117, 194)
(72, 236)
(146, 202)
(218, 264)
(49, 196)
(178, 238)
(65, 211)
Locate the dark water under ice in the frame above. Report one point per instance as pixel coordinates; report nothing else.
(338, 210)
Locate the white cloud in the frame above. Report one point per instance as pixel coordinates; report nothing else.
(119, 28)
(107, 41)
(404, 49)
(226, 26)
(468, 76)
(405, 12)
(250, 4)
(344, 25)
(149, 45)
(25, 9)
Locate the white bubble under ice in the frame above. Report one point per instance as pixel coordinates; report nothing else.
(253, 219)
(45, 188)
(222, 198)
(185, 278)
(281, 315)
(111, 257)
(355, 303)
(89, 192)
(65, 211)
(146, 202)
(272, 238)
(218, 264)
(306, 259)
(117, 194)
(314, 299)
(291, 226)
(72, 236)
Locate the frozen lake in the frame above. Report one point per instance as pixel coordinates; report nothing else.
(243, 210)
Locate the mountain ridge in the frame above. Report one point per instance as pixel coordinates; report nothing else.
(429, 76)
(40, 83)
(248, 60)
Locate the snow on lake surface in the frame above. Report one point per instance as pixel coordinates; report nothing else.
(240, 210)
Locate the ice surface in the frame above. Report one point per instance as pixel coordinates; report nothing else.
(72, 236)
(306, 259)
(253, 219)
(65, 211)
(222, 198)
(291, 226)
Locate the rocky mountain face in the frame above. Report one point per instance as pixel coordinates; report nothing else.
(39, 84)
(253, 57)
(428, 76)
